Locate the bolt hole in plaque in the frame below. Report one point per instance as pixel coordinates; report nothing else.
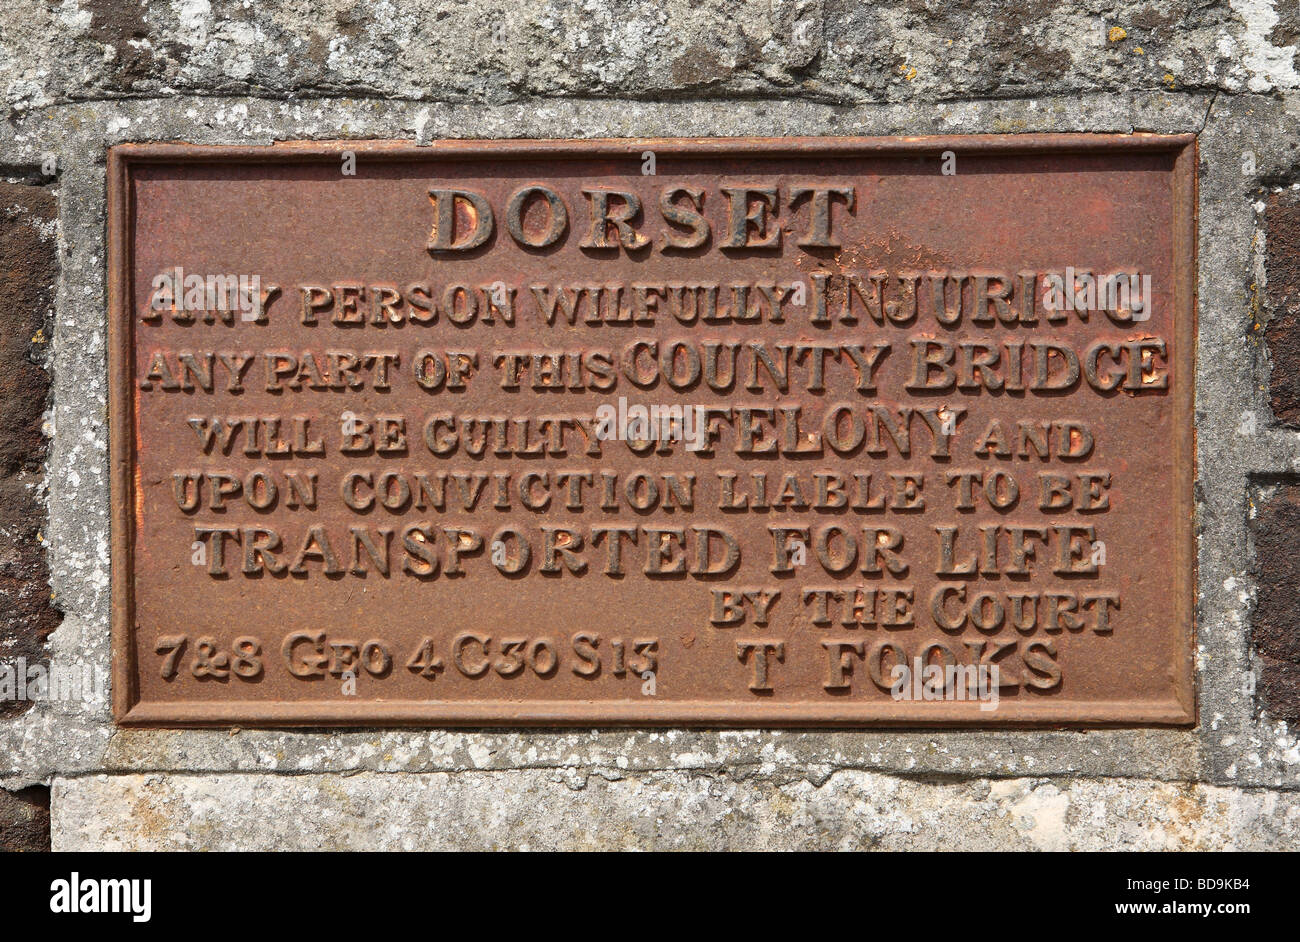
(720, 432)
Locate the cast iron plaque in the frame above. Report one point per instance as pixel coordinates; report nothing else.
(711, 432)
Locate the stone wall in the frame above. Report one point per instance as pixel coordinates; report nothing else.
(80, 76)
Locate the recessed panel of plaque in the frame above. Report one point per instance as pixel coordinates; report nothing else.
(709, 432)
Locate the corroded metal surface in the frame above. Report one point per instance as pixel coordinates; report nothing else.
(401, 479)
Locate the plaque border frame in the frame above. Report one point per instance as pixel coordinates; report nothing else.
(129, 711)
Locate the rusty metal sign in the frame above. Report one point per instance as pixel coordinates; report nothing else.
(710, 432)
